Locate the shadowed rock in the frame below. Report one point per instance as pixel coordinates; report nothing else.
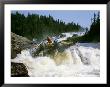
(18, 70)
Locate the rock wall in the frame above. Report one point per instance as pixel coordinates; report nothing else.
(18, 43)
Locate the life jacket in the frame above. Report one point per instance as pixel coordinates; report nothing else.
(49, 40)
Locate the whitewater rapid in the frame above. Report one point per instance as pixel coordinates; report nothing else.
(70, 34)
(82, 59)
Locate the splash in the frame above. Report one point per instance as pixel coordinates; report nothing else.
(65, 64)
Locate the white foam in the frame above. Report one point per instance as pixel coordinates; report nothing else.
(66, 64)
(70, 34)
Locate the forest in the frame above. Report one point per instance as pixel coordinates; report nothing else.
(38, 26)
(94, 33)
(91, 35)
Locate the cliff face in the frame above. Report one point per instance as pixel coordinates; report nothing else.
(18, 43)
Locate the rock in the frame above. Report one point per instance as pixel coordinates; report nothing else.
(18, 43)
(18, 70)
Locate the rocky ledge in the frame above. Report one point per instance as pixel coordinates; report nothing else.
(18, 70)
(18, 43)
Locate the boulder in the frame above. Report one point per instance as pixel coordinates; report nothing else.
(18, 43)
(18, 70)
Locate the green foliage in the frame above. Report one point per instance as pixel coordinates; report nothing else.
(94, 33)
(38, 26)
(74, 40)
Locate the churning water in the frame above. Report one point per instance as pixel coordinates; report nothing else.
(78, 60)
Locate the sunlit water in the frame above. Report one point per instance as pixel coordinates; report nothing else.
(70, 34)
(76, 61)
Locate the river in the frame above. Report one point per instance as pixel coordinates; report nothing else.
(81, 59)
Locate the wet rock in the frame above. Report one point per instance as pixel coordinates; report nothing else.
(18, 43)
(18, 70)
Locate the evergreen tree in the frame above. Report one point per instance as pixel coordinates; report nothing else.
(94, 33)
(38, 26)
